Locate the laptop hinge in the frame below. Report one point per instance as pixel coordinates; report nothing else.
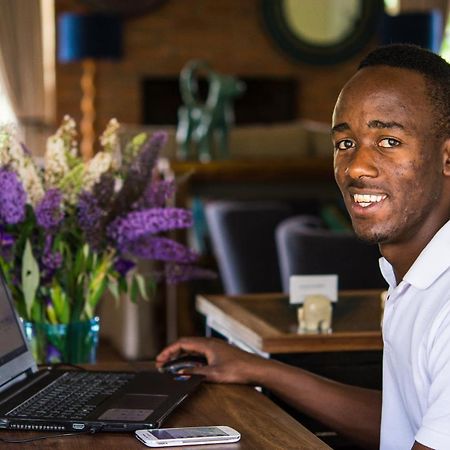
(17, 379)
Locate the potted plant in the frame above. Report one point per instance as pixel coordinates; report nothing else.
(71, 229)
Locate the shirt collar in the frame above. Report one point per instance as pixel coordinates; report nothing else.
(432, 262)
(388, 272)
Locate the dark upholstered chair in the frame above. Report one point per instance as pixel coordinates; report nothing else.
(306, 248)
(243, 241)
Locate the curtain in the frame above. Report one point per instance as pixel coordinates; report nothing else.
(22, 69)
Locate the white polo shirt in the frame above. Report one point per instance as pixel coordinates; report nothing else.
(416, 357)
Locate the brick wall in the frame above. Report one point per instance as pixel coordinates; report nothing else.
(227, 33)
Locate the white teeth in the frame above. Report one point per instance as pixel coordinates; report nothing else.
(365, 200)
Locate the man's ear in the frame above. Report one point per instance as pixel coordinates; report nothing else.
(446, 158)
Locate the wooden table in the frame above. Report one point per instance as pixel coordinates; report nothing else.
(267, 324)
(262, 424)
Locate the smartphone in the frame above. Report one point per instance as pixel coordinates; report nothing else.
(171, 437)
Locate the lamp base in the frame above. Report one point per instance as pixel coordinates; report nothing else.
(87, 109)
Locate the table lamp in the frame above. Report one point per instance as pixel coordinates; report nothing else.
(87, 38)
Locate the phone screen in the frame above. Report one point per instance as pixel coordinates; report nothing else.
(180, 433)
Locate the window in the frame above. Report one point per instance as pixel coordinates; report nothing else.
(6, 112)
(445, 49)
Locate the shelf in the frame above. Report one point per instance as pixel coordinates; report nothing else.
(262, 170)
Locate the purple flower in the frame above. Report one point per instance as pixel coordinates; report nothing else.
(156, 194)
(49, 212)
(12, 198)
(145, 161)
(50, 261)
(53, 354)
(103, 191)
(122, 266)
(6, 240)
(89, 213)
(137, 224)
(177, 273)
(6, 245)
(139, 175)
(90, 218)
(161, 249)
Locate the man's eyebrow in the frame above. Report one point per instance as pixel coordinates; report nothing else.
(381, 124)
(344, 126)
(340, 127)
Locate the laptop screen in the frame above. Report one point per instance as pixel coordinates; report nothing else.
(14, 355)
(11, 339)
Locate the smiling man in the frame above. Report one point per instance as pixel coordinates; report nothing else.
(391, 134)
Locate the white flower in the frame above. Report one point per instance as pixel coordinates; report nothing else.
(31, 182)
(13, 155)
(56, 165)
(109, 141)
(95, 168)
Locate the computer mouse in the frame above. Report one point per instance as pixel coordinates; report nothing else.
(185, 361)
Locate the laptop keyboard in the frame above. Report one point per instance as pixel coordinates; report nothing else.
(74, 395)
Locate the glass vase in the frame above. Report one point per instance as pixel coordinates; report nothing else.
(72, 343)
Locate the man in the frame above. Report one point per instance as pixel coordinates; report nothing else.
(391, 134)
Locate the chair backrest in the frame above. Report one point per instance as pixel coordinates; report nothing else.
(243, 240)
(306, 248)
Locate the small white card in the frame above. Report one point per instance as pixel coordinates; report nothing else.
(301, 286)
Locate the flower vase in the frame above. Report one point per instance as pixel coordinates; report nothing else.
(72, 343)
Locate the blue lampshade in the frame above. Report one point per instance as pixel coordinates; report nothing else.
(84, 36)
(420, 28)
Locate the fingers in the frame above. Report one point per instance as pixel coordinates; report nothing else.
(200, 370)
(211, 373)
(186, 345)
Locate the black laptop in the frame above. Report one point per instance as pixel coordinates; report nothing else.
(77, 400)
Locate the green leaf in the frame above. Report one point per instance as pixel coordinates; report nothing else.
(133, 146)
(141, 285)
(37, 313)
(98, 282)
(60, 303)
(134, 290)
(113, 287)
(151, 283)
(73, 180)
(30, 277)
(80, 262)
(94, 297)
(123, 286)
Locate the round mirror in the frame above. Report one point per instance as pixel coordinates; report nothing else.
(321, 31)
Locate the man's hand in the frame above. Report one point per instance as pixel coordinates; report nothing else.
(226, 364)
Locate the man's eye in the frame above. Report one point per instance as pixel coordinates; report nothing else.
(389, 142)
(345, 144)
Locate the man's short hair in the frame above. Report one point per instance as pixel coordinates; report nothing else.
(435, 70)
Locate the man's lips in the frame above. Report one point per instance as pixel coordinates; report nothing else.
(366, 200)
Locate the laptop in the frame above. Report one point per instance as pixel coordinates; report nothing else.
(78, 400)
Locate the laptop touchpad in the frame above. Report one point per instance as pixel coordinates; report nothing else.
(133, 407)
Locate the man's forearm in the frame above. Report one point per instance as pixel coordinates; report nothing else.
(351, 411)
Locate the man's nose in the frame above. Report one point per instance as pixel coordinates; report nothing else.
(362, 163)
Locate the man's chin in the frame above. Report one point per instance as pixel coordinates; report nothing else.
(370, 236)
